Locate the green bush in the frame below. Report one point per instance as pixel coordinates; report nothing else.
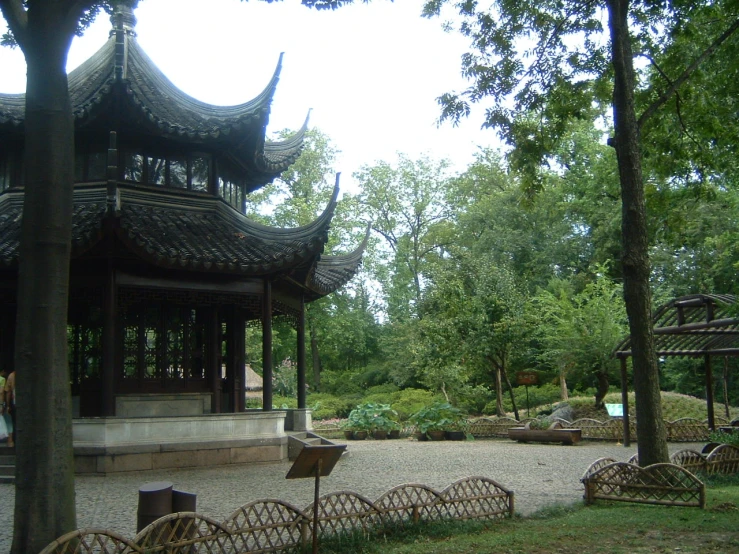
(409, 401)
(341, 383)
(284, 402)
(474, 399)
(440, 416)
(724, 438)
(385, 388)
(328, 406)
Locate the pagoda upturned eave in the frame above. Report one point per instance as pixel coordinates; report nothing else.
(145, 98)
(187, 232)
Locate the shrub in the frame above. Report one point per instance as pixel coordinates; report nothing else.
(440, 416)
(327, 406)
(340, 383)
(371, 417)
(409, 401)
(474, 399)
(284, 402)
(724, 438)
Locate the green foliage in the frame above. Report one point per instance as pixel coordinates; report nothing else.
(440, 416)
(372, 417)
(722, 437)
(540, 423)
(539, 396)
(329, 406)
(284, 402)
(409, 401)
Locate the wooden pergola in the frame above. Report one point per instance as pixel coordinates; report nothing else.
(699, 325)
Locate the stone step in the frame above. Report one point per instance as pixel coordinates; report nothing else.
(7, 459)
(7, 470)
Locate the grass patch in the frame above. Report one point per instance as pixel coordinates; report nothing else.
(605, 527)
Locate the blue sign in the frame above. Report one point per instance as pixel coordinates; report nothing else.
(615, 410)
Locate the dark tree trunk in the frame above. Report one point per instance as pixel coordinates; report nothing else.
(602, 389)
(44, 497)
(510, 392)
(499, 411)
(563, 393)
(652, 442)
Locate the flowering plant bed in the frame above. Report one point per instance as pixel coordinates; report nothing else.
(554, 433)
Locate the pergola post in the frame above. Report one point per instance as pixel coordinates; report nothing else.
(239, 360)
(709, 392)
(267, 346)
(625, 401)
(301, 356)
(109, 343)
(213, 353)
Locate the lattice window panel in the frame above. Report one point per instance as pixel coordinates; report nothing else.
(185, 532)
(344, 512)
(92, 541)
(477, 498)
(267, 526)
(129, 296)
(410, 503)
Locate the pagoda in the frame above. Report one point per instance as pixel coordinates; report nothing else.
(166, 269)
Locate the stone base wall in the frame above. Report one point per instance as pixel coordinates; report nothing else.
(102, 461)
(113, 444)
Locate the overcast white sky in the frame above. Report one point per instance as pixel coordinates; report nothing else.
(370, 72)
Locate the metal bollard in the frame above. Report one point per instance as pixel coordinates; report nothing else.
(155, 501)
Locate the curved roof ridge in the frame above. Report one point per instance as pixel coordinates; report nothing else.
(141, 65)
(318, 226)
(355, 256)
(278, 155)
(332, 272)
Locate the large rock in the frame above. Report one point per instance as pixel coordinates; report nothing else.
(563, 411)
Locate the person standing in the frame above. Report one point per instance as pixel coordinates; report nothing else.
(8, 405)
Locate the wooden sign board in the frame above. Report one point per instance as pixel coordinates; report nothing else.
(307, 461)
(527, 378)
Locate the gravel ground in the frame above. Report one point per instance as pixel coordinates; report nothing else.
(539, 474)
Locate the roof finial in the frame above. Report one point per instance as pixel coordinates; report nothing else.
(123, 18)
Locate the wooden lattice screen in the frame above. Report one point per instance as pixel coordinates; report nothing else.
(667, 484)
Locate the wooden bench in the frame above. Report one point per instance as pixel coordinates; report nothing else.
(555, 433)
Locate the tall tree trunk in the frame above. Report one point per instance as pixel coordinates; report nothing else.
(602, 390)
(652, 441)
(510, 392)
(563, 392)
(499, 411)
(44, 490)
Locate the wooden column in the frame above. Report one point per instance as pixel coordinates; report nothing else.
(625, 401)
(213, 352)
(267, 346)
(110, 316)
(709, 392)
(239, 361)
(301, 356)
